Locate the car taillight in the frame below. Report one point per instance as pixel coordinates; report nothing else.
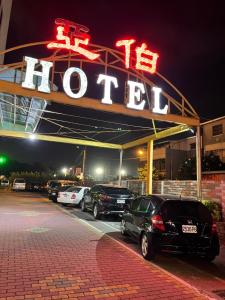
(73, 196)
(157, 222)
(103, 197)
(214, 228)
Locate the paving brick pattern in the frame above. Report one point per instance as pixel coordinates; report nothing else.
(47, 254)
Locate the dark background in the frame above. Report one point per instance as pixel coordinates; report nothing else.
(188, 35)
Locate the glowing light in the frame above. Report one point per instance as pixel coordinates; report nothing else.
(32, 137)
(156, 108)
(127, 44)
(135, 91)
(30, 73)
(107, 88)
(76, 47)
(64, 171)
(123, 172)
(149, 63)
(140, 152)
(83, 82)
(54, 175)
(99, 171)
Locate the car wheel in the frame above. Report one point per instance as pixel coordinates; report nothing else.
(123, 229)
(83, 208)
(147, 250)
(96, 212)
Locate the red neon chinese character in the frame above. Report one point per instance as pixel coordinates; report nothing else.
(148, 63)
(127, 44)
(145, 59)
(67, 31)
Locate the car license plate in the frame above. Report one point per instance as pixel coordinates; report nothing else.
(189, 229)
(53, 194)
(120, 201)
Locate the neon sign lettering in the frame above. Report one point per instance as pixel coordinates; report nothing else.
(146, 60)
(74, 36)
(135, 89)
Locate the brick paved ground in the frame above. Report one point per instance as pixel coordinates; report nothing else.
(47, 254)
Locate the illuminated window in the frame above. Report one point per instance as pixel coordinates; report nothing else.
(217, 129)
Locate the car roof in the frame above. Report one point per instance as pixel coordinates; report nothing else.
(111, 185)
(80, 187)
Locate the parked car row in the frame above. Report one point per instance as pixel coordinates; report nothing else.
(158, 223)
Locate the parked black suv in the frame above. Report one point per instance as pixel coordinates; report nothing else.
(106, 199)
(171, 224)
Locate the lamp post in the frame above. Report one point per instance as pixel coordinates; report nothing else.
(99, 172)
(64, 171)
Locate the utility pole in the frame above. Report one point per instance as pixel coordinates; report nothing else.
(84, 160)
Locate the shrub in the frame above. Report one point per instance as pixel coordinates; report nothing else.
(215, 208)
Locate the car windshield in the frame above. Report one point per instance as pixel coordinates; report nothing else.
(74, 189)
(175, 209)
(19, 181)
(115, 190)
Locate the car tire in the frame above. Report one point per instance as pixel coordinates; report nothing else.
(147, 249)
(82, 205)
(96, 212)
(123, 229)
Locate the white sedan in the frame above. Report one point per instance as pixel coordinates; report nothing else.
(72, 195)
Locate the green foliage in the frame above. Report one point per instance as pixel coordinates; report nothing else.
(215, 208)
(142, 173)
(210, 162)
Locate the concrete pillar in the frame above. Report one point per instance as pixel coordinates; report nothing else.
(198, 162)
(120, 167)
(149, 182)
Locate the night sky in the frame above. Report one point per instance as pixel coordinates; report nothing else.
(188, 35)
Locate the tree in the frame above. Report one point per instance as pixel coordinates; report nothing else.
(142, 173)
(210, 162)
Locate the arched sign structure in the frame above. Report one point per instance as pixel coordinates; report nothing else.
(131, 72)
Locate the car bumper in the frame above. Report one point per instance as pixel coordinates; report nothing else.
(196, 245)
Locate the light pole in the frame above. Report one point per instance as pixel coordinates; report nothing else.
(99, 171)
(64, 171)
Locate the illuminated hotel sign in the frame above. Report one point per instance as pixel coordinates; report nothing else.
(74, 37)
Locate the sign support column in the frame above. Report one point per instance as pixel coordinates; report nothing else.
(120, 167)
(149, 182)
(198, 162)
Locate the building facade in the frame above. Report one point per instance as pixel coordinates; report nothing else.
(169, 155)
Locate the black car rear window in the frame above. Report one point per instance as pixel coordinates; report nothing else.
(176, 209)
(19, 181)
(73, 189)
(55, 184)
(114, 190)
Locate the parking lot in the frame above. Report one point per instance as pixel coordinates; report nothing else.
(49, 251)
(204, 276)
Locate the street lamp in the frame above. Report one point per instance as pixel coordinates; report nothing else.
(99, 171)
(140, 152)
(123, 172)
(64, 171)
(32, 137)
